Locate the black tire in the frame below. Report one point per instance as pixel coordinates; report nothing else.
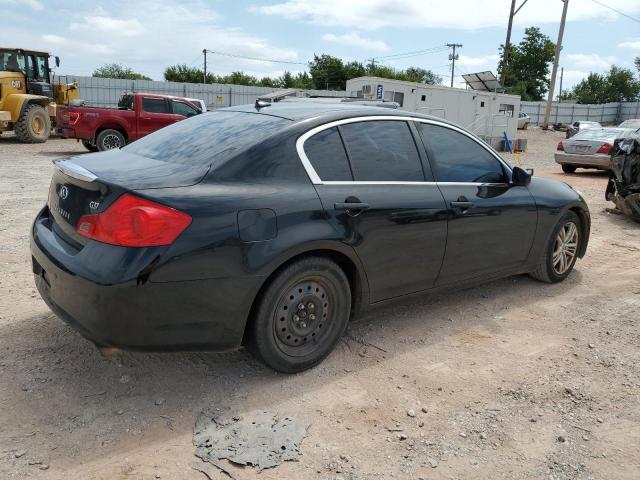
(34, 125)
(546, 271)
(110, 139)
(566, 168)
(89, 145)
(288, 345)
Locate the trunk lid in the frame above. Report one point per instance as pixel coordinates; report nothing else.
(88, 184)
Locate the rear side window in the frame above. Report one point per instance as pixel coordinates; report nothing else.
(382, 150)
(154, 105)
(459, 158)
(327, 156)
(207, 138)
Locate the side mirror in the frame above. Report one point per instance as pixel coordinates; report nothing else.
(57, 58)
(520, 177)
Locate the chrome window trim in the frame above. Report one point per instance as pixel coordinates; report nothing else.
(74, 171)
(316, 180)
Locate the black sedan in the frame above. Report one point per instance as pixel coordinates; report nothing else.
(273, 226)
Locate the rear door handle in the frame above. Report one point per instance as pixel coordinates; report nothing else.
(351, 206)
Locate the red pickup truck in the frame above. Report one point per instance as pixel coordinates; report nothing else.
(137, 115)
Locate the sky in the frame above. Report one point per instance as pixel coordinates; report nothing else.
(149, 35)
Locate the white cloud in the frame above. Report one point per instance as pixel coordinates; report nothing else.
(166, 32)
(102, 23)
(54, 39)
(487, 60)
(634, 45)
(33, 4)
(355, 40)
(591, 60)
(460, 14)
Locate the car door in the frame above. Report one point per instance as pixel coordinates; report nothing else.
(183, 110)
(491, 222)
(380, 200)
(155, 114)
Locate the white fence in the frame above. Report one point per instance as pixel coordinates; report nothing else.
(605, 113)
(105, 92)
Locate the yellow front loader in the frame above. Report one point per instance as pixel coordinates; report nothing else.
(28, 97)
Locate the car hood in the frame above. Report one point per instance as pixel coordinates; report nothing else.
(135, 172)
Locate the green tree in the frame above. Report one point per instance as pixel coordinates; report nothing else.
(115, 70)
(420, 75)
(617, 85)
(183, 73)
(637, 63)
(527, 72)
(328, 73)
(240, 78)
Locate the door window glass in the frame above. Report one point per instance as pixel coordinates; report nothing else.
(154, 105)
(12, 61)
(459, 158)
(180, 108)
(382, 150)
(327, 156)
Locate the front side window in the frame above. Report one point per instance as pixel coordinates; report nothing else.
(183, 109)
(382, 150)
(327, 156)
(12, 61)
(154, 105)
(459, 158)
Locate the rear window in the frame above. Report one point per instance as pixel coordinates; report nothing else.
(207, 138)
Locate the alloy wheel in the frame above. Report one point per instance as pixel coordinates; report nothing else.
(111, 141)
(565, 248)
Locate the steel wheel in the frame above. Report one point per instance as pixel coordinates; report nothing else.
(37, 125)
(565, 248)
(303, 317)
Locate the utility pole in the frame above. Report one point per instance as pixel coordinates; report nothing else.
(554, 72)
(507, 43)
(204, 77)
(561, 75)
(453, 57)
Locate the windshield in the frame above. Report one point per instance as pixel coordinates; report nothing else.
(599, 133)
(11, 61)
(207, 138)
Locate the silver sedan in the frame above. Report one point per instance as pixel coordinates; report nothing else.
(588, 149)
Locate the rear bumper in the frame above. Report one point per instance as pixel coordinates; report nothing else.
(590, 161)
(208, 314)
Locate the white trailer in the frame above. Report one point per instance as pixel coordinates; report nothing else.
(487, 114)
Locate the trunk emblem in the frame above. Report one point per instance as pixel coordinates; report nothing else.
(64, 192)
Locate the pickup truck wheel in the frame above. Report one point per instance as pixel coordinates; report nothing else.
(110, 139)
(89, 145)
(568, 168)
(34, 125)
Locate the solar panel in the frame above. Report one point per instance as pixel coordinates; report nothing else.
(483, 81)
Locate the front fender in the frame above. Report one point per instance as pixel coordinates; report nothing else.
(17, 103)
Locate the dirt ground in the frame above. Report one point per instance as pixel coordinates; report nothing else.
(512, 380)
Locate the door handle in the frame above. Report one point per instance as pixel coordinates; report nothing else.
(351, 206)
(462, 205)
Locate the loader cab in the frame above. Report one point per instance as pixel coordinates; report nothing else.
(34, 67)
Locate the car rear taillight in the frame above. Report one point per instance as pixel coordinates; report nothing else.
(604, 148)
(134, 222)
(73, 118)
(560, 147)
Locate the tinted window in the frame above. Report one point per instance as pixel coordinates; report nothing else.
(154, 105)
(326, 153)
(459, 158)
(180, 108)
(207, 138)
(382, 150)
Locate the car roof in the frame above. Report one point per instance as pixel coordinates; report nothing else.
(304, 110)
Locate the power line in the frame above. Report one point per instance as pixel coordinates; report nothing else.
(414, 53)
(617, 11)
(245, 57)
